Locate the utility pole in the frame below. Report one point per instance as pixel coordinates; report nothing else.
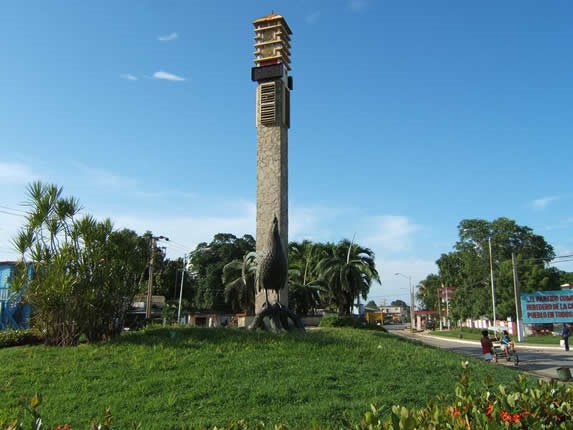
(447, 308)
(413, 307)
(516, 292)
(181, 289)
(440, 290)
(148, 303)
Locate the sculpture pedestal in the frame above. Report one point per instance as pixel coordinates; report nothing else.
(277, 318)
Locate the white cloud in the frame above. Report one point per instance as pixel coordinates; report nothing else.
(397, 287)
(312, 18)
(389, 233)
(105, 178)
(543, 202)
(10, 224)
(168, 37)
(185, 232)
(389, 236)
(563, 263)
(357, 5)
(15, 173)
(128, 76)
(317, 223)
(12, 218)
(167, 76)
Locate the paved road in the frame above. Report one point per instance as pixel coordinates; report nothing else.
(541, 361)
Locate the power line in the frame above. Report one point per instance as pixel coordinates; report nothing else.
(177, 245)
(561, 261)
(12, 209)
(181, 244)
(178, 248)
(12, 213)
(556, 259)
(563, 256)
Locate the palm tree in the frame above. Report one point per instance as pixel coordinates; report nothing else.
(428, 293)
(239, 282)
(305, 284)
(348, 271)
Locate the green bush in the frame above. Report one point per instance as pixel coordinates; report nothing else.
(85, 279)
(337, 321)
(19, 337)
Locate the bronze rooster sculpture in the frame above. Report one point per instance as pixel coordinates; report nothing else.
(272, 268)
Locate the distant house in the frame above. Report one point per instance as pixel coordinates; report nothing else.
(13, 313)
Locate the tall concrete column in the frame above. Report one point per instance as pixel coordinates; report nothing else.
(272, 193)
(272, 59)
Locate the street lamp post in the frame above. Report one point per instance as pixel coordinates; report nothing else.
(492, 282)
(186, 257)
(412, 300)
(181, 289)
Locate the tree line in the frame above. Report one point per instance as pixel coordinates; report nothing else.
(320, 275)
(484, 248)
(86, 273)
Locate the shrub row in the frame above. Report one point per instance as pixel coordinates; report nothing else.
(338, 321)
(19, 337)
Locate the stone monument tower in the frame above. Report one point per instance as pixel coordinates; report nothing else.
(272, 64)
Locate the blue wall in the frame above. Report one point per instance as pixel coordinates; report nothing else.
(6, 270)
(13, 313)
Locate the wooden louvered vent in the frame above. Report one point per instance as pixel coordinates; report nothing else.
(268, 104)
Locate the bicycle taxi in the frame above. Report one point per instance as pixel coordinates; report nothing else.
(504, 348)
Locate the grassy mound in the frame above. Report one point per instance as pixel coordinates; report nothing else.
(167, 378)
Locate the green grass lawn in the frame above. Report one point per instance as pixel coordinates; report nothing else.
(166, 378)
(475, 334)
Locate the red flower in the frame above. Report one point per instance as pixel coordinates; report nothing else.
(506, 416)
(456, 412)
(489, 410)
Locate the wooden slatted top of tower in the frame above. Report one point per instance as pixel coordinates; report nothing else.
(272, 41)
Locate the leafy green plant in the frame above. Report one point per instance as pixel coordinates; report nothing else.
(523, 405)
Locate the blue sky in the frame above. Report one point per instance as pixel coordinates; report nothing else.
(407, 117)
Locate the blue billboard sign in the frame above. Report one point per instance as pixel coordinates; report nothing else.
(547, 307)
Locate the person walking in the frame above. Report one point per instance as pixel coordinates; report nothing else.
(486, 346)
(565, 336)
